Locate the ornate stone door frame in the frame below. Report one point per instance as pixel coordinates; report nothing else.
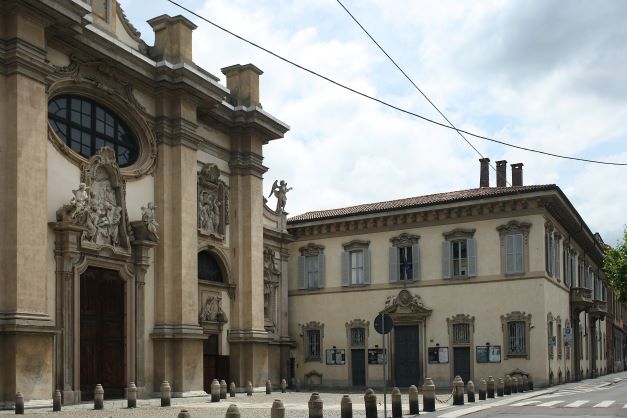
(406, 310)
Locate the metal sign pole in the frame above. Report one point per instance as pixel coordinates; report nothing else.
(385, 359)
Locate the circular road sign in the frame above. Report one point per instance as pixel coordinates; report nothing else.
(383, 323)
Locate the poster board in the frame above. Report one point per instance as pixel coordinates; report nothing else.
(335, 356)
(488, 353)
(438, 355)
(376, 356)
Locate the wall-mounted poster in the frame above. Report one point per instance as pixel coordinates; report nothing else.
(335, 356)
(488, 354)
(376, 356)
(438, 355)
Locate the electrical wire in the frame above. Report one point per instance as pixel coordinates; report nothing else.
(387, 104)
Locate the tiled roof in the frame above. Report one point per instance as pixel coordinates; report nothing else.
(418, 201)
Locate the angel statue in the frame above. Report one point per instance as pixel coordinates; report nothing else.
(280, 191)
(148, 216)
(80, 199)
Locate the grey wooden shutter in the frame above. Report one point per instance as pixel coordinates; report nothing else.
(321, 271)
(415, 261)
(394, 273)
(471, 248)
(519, 253)
(446, 259)
(346, 269)
(366, 266)
(302, 282)
(510, 254)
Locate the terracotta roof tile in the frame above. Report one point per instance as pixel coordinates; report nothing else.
(418, 201)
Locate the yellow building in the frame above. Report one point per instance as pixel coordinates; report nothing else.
(136, 246)
(479, 282)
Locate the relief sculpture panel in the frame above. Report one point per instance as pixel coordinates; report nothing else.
(213, 202)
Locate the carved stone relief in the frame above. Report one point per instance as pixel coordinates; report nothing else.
(98, 205)
(211, 310)
(213, 202)
(271, 281)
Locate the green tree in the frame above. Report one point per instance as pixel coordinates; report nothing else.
(615, 266)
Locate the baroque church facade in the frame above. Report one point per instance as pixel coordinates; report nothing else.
(136, 243)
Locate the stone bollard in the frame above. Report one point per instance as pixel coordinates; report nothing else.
(215, 390)
(525, 383)
(414, 406)
(268, 387)
(184, 414)
(232, 412)
(470, 389)
(283, 385)
(346, 407)
(131, 396)
(483, 388)
(249, 388)
(520, 384)
(397, 406)
(315, 406)
(370, 403)
(500, 387)
(56, 401)
(428, 395)
(166, 391)
(278, 410)
(508, 385)
(232, 390)
(514, 384)
(19, 403)
(222, 389)
(490, 387)
(98, 397)
(458, 391)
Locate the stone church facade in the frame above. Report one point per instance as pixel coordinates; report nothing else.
(136, 243)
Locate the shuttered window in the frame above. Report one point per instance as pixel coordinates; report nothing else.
(459, 258)
(514, 253)
(311, 272)
(356, 267)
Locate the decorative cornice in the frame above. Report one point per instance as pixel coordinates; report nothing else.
(514, 226)
(405, 240)
(311, 249)
(356, 244)
(247, 164)
(459, 233)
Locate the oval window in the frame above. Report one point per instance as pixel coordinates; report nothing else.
(85, 127)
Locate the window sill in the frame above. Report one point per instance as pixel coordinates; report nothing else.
(459, 277)
(509, 356)
(313, 360)
(356, 285)
(516, 274)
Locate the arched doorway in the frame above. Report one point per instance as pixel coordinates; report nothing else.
(102, 333)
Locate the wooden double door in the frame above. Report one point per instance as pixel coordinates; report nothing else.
(102, 333)
(406, 356)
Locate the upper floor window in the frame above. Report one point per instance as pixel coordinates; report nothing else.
(514, 246)
(311, 267)
(86, 126)
(404, 258)
(356, 263)
(208, 268)
(459, 258)
(552, 240)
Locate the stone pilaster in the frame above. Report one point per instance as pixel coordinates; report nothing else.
(26, 327)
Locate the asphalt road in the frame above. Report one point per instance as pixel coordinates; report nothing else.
(602, 397)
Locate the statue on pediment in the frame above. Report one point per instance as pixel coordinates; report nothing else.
(279, 190)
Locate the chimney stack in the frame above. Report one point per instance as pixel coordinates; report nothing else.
(173, 39)
(517, 174)
(501, 173)
(484, 174)
(243, 82)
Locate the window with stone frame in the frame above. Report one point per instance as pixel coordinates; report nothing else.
(404, 258)
(514, 239)
(550, 334)
(459, 254)
(516, 327)
(311, 267)
(567, 347)
(356, 263)
(357, 333)
(552, 240)
(560, 343)
(313, 334)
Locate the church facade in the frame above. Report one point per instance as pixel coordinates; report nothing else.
(136, 244)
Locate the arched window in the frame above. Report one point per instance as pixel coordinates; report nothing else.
(85, 127)
(208, 268)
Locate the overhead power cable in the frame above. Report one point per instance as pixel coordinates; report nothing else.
(387, 104)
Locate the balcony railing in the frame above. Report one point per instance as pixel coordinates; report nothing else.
(581, 298)
(598, 309)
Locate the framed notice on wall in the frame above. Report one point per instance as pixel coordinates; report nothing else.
(376, 356)
(488, 354)
(335, 356)
(438, 355)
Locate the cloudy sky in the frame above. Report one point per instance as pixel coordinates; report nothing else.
(543, 74)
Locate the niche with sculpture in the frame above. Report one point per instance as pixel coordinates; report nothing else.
(213, 202)
(271, 281)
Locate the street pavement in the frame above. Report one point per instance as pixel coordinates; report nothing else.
(605, 396)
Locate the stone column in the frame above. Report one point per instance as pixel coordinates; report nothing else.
(26, 326)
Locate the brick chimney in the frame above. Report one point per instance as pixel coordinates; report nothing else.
(517, 174)
(484, 174)
(501, 173)
(243, 81)
(173, 39)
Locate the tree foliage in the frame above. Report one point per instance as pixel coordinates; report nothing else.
(615, 266)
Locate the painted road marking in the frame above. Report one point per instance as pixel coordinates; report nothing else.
(523, 403)
(576, 404)
(604, 404)
(552, 403)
